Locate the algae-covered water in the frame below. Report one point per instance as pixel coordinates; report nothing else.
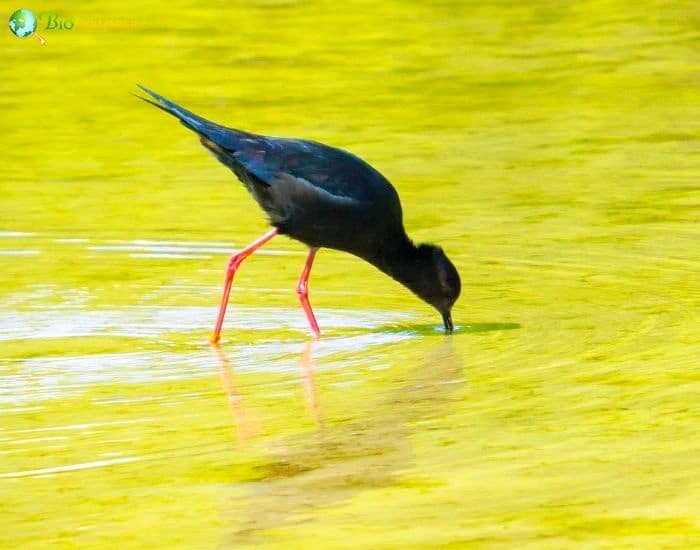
(550, 147)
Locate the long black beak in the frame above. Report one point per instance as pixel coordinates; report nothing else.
(447, 320)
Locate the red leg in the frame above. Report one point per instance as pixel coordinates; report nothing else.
(303, 292)
(233, 263)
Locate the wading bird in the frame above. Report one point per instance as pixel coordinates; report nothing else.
(323, 197)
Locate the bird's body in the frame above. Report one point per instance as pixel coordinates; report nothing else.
(327, 198)
(306, 189)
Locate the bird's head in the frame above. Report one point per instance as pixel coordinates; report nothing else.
(436, 281)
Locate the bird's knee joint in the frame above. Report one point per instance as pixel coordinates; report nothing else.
(302, 290)
(234, 262)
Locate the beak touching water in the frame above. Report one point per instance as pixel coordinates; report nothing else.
(447, 320)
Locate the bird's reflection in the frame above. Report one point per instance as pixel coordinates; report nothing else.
(245, 426)
(314, 470)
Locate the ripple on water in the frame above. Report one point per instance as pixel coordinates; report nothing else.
(19, 252)
(142, 321)
(15, 234)
(38, 378)
(143, 248)
(178, 250)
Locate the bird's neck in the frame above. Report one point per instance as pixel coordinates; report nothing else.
(398, 260)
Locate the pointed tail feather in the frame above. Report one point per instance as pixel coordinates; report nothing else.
(220, 135)
(188, 118)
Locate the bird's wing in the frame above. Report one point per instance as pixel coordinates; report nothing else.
(316, 167)
(257, 157)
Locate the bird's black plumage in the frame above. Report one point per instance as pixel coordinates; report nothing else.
(327, 197)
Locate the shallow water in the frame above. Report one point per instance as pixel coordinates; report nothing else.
(551, 149)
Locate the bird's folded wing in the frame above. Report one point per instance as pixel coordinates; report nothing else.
(296, 190)
(258, 162)
(271, 163)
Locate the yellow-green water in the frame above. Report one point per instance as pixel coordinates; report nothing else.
(551, 148)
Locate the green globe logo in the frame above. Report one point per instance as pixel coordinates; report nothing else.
(22, 23)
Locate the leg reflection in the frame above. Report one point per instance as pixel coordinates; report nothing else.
(244, 428)
(307, 382)
(235, 401)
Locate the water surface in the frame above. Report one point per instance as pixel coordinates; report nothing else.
(551, 149)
